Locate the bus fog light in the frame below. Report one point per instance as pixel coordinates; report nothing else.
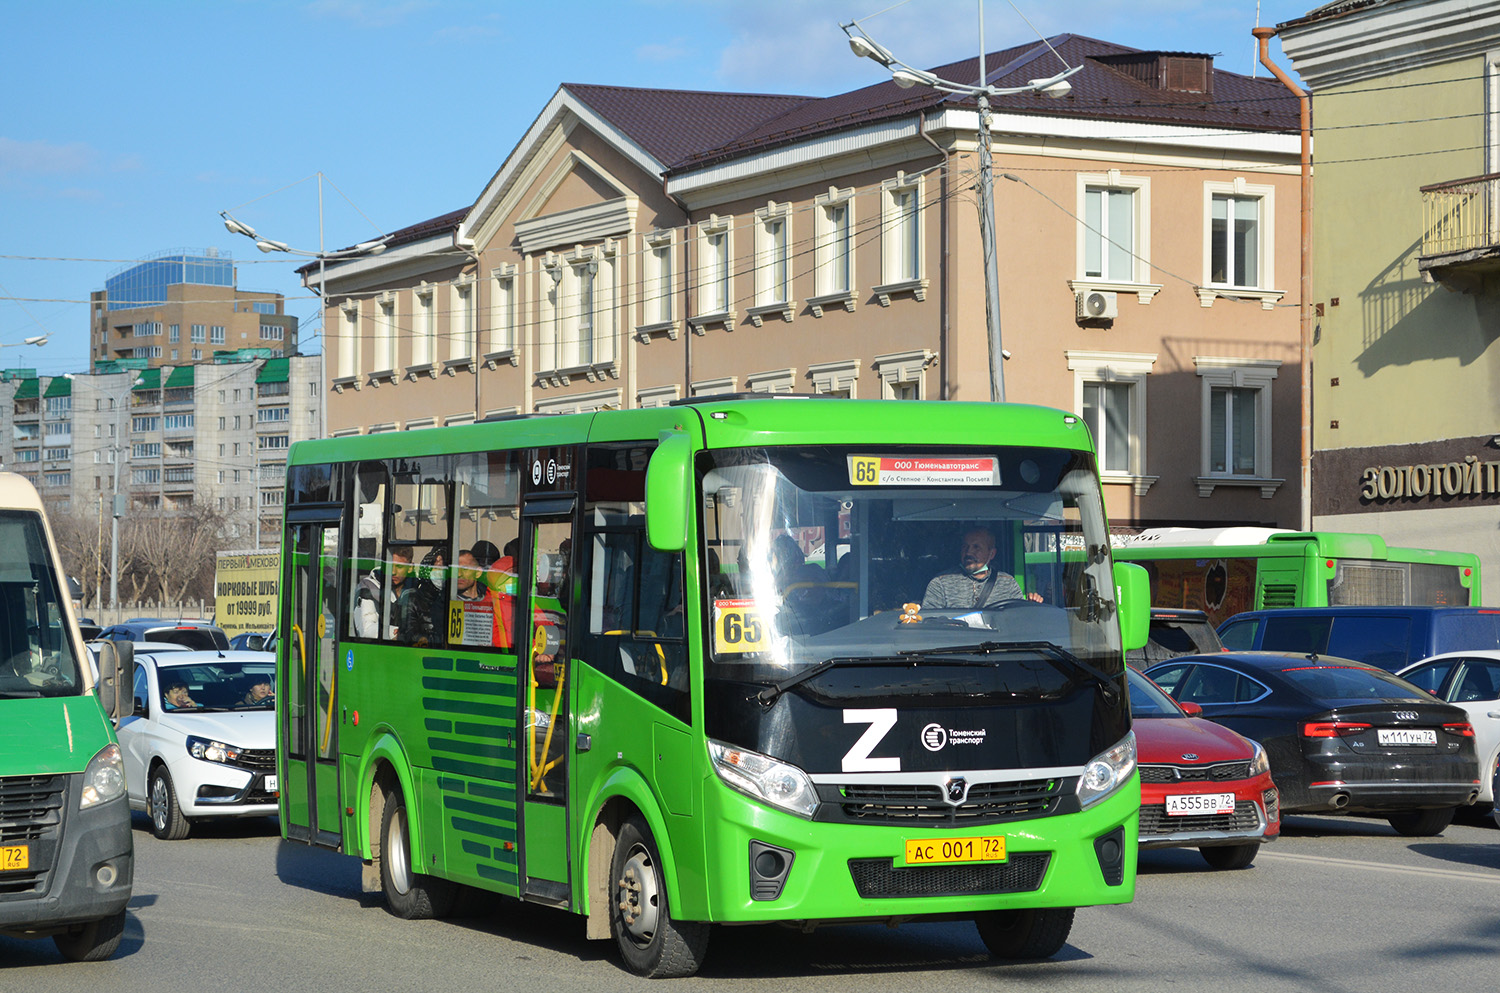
(769, 867)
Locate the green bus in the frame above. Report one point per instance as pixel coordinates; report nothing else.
(67, 859)
(1224, 571)
(668, 668)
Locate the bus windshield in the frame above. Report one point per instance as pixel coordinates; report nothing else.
(36, 654)
(849, 553)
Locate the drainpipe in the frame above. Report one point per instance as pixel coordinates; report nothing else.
(943, 265)
(1264, 36)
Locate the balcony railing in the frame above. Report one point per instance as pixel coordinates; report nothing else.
(1461, 215)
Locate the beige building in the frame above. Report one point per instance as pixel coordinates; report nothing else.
(180, 307)
(638, 246)
(1406, 419)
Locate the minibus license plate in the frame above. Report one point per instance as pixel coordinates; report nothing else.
(1407, 736)
(14, 858)
(1200, 803)
(940, 851)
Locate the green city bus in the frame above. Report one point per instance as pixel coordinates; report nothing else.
(1224, 571)
(668, 668)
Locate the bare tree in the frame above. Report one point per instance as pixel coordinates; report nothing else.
(173, 553)
(81, 535)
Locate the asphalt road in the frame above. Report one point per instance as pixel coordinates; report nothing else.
(1338, 905)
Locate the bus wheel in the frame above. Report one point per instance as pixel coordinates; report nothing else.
(91, 942)
(1421, 823)
(650, 941)
(1230, 856)
(408, 894)
(1038, 933)
(167, 822)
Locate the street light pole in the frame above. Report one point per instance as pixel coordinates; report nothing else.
(906, 76)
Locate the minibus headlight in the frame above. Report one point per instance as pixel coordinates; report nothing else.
(1107, 771)
(764, 778)
(103, 778)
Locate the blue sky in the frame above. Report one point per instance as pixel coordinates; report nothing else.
(126, 127)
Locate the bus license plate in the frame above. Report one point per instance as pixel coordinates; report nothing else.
(14, 858)
(1200, 803)
(1407, 736)
(941, 851)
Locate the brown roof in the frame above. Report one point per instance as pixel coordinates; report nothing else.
(413, 232)
(1105, 89)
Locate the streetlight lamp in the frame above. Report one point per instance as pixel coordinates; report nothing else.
(38, 340)
(906, 76)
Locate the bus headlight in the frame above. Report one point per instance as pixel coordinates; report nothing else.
(764, 778)
(104, 778)
(1107, 771)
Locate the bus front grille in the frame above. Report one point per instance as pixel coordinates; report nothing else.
(877, 878)
(904, 804)
(31, 810)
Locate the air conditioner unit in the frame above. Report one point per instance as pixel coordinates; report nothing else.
(1097, 305)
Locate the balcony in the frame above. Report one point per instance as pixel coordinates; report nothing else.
(1461, 234)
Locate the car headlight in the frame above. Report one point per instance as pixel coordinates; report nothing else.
(213, 751)
(1107, 771)
(1260, 763)
(103, 778)
(764, 778)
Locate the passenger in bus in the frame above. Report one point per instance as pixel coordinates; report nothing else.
(976, 583)
(485, 553)
(466, 582)
(502, 592)
(377, 595)
(425, 611)
(791, 568)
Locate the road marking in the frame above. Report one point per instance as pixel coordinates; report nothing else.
(1480, 877)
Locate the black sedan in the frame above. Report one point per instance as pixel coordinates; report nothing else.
(1342, 736)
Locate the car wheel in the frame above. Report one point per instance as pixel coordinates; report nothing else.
(410, 895)
(1230, 856)
(167, 822)
(1037, 933)
(1421, 823)
(650, 941)
(91, 942)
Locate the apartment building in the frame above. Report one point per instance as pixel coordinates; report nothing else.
(180, 306)
(638, 246)
(179, 436)
(1406, 419)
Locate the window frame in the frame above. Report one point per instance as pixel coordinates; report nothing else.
(1239, 189)
(901, 233)
(773, 264)
(1237, 373)
(834, 274)
(1138, 279)
(1131, 369)
(715, 276)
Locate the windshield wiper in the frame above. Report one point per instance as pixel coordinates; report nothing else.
(1053, 653)
(772, 693)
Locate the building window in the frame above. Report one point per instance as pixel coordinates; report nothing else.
(1114, 234)
(901, 374)
(715, 254)
(216, 335)
(275, 332)
(386, 332)
(142, 425)
(1236, 423)
(270, 415)
(503, 309)
(426, 329)
(658, 271)
(177, 422)
(773, 254)
(174, 333)
(835, 378)
(901, 239)
(585, 276)
(349, 339)
(461, 328)
(833, 251)
(1109, 393)
(1238, 249)
(197, 354)
(272, 441)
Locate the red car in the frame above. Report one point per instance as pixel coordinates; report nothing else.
(1203, 786)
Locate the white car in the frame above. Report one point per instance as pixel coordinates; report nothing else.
(1470, 680)
(202, 740)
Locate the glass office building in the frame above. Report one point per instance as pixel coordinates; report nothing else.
(144, 284)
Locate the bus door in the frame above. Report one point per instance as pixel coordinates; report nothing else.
(545, 578)
(308, 680)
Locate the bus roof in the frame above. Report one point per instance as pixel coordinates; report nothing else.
(17, 493)
(1181, 537)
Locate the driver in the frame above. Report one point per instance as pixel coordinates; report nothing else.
(975, 583)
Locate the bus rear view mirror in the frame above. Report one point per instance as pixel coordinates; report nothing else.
(668, 487)
(1133, 594)
(116, 667)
